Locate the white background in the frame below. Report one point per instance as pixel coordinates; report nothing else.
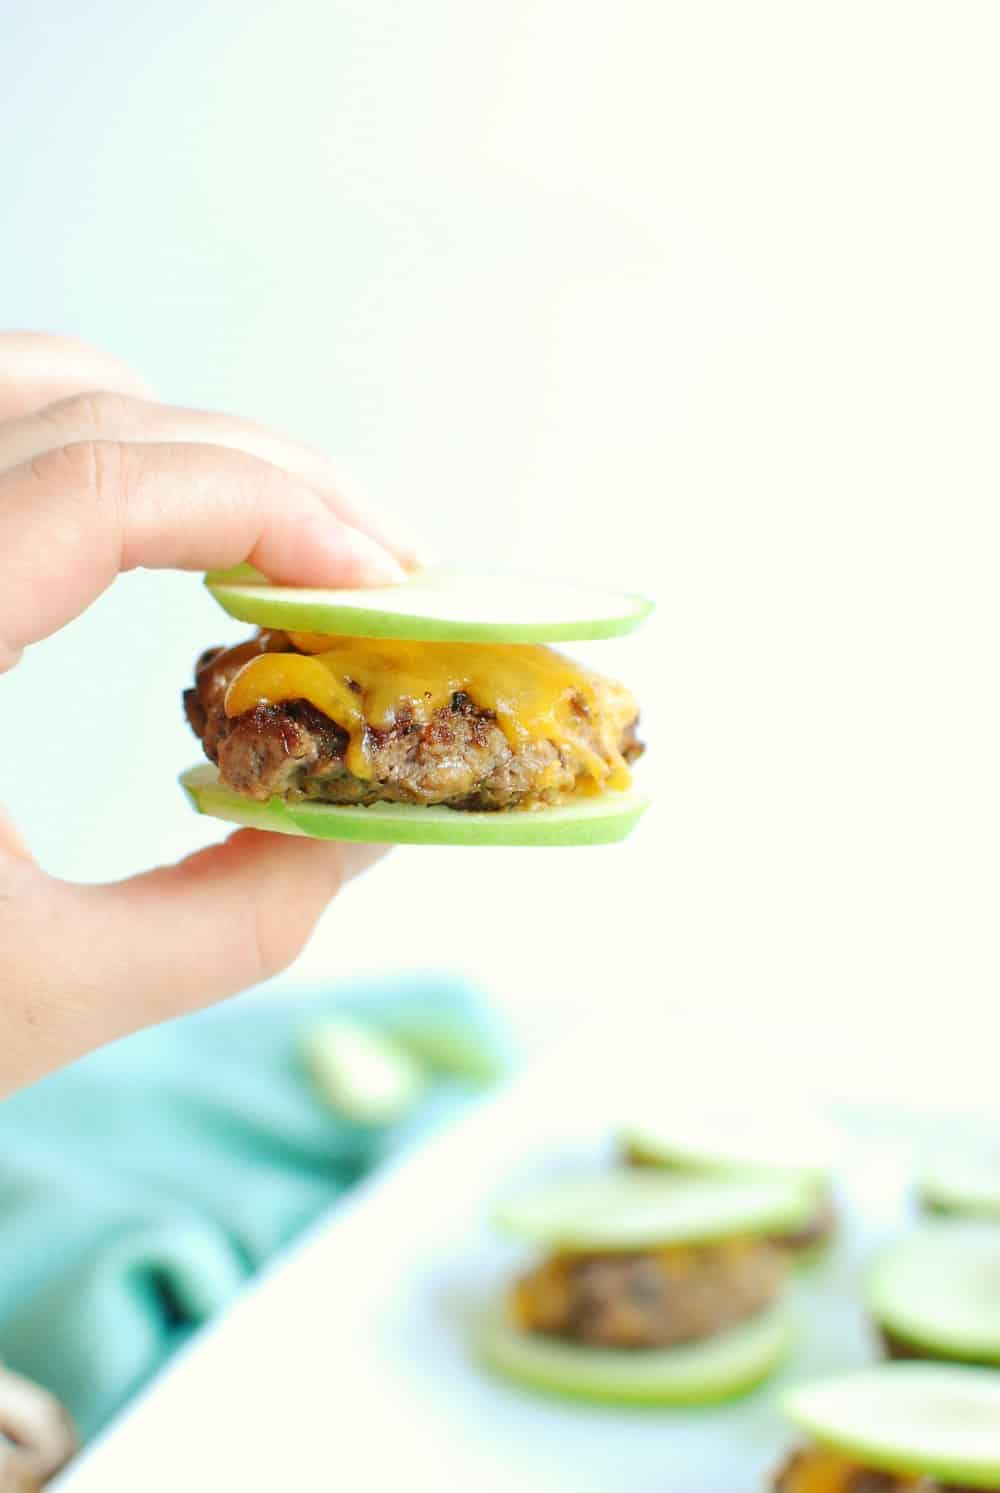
(699, 298)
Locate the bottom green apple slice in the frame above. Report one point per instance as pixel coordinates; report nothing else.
(939, 1291)
(592, 821)
(701, 1373)
(922, 1419)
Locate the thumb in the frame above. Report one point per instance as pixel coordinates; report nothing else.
(91, 963)
(223, 919)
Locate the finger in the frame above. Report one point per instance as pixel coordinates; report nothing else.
(72, 519)
(36, 368)
(105, 416)
(116, 958)
(246, 908)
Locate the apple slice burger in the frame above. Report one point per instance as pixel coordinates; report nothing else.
(936, 1293)
(430, 712)
(898, 1428)
(743, 1143)
(651, 1290)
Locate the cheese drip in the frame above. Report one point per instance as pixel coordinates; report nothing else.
(819, 1471)
(535, 694)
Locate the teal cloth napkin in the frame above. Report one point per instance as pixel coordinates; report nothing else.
(141, 1188)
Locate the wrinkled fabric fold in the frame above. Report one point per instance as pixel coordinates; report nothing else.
(141, 1188)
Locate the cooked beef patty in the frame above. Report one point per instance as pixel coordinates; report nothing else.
(460, 757)
(652, 1299)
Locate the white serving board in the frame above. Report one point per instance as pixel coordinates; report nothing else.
(345, 1366)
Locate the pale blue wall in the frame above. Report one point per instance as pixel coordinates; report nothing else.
(702, 296)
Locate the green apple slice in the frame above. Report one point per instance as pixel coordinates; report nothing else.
(621, 1210)
(478, 1055)
(360, 1072)
(431, 606)
(592, 821)
(716, 1368)
(740, 1141)
(962, 1182)
(939, 1291)
(922, 1419)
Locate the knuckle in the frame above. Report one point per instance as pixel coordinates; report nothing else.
(277, 940)
(63, 466)
(96, 413)
(273, 941)
(88, 466)
(96, 474)
(280, 933)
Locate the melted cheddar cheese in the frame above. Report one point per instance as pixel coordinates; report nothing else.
(534, 693)
(542, 1300)
(820, 1471)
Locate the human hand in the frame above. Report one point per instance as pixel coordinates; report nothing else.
(93, 484)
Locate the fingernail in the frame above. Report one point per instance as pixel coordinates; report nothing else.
(376, 567)
(405, 545)
(425, 559)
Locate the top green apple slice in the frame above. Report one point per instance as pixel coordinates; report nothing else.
(434, 607)
(635, 1210)
(733, 1142)
(921, 1419)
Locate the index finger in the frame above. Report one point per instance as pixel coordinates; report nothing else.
(106, 415)
(74, 518)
